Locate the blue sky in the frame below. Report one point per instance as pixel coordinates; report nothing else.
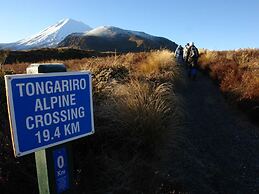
(212, 24)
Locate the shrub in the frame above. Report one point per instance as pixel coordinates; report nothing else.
(134, 105)
(237, 75)
(156, 61)
(3, 104)
(133, 119)
(3, 56)
(143, 112)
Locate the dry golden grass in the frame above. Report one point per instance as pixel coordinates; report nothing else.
(249, 86)
(237, 73)
(144, 111)
(156, 61)
(159, 66)
(139, 88)
(134, 106)
(15, 68)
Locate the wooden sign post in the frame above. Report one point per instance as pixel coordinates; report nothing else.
(44, 159)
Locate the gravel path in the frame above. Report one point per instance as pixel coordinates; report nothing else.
(222, 155)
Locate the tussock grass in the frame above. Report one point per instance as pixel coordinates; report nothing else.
(156, 61)
(237, 73)
(3, 104)
(15, 68)
(134, 119)
(144, 111)
(139, 128)
(136, 114)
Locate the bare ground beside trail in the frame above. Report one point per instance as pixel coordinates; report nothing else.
(220, 153)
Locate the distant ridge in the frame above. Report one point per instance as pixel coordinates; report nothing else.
(110, 38)
(74, 34)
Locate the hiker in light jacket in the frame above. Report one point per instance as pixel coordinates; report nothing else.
(185, 50)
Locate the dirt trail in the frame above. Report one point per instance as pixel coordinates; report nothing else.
(224, 152)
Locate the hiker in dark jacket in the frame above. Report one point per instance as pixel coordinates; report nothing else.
(179, 54)
(192, 60)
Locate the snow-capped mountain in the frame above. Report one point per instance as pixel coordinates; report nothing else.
(70, 33)
(51, 36)
(111, 31)
(110, 38)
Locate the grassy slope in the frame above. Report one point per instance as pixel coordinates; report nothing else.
(134, 106)
(237, 73)
(145, 142)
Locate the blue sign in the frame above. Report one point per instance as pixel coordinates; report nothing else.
(49, 109)
(61, 170)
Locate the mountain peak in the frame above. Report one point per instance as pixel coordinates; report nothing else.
(111, 31)
(52, 35)
(65, 20)
(106, 31)
(68, 21)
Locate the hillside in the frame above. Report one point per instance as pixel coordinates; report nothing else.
(157, 131)
(236, 74)
(108, 38)
(134, 104)
(47, 54)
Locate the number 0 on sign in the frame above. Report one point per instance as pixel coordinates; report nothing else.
(48, 109)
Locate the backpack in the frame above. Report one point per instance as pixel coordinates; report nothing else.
(181, 51)
(194, 53)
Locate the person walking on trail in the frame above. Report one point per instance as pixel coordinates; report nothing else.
(185, 49)
(192, 60)
(179, 54)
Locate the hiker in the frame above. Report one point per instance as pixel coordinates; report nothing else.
(179, 54)
(186, 47)
(192, 60)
